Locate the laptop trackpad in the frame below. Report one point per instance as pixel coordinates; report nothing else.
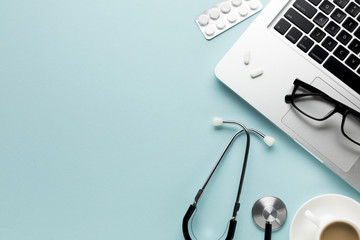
(325, 136)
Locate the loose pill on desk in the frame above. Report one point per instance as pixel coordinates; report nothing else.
(256, 72)
(247, 56)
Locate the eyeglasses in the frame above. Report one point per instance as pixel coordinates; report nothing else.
(319, 106)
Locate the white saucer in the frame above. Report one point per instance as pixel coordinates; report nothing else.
(330, 204)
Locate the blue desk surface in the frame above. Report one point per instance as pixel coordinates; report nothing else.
(105, 127)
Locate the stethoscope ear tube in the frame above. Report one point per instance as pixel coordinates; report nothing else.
(185, 224)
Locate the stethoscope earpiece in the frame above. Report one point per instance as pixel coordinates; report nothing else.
(267, 139)
(217, 121)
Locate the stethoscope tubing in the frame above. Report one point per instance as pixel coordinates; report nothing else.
(192, 207)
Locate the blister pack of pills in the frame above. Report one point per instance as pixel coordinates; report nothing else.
(225, 15)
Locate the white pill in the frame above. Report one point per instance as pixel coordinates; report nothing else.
(254, 4)
(232, 17)
(210, 30)
(247, 57)
(220, 24)
(214, 13)
(236, 3)
(225, 7)
(257, 72)
(203, 20)
(243, 11)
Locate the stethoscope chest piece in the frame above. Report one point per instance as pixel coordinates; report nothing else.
(269, 211)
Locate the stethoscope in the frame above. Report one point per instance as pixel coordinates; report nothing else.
(269, 213)
(232, 223)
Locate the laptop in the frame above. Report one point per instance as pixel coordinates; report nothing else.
(317, 42)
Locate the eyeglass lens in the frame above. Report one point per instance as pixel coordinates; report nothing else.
(319, 106)
(314, 105)
(351, 126)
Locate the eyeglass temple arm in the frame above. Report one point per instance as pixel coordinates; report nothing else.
(288, 98)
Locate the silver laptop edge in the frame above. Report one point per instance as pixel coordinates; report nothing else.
(282, 63)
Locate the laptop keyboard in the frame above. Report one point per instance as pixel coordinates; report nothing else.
(329, 33)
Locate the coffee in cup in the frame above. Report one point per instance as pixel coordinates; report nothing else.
(339, 230)
(332, 228)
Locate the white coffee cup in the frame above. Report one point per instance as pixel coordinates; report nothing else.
(324, 222)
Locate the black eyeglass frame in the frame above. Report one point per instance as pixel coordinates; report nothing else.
(339, 107)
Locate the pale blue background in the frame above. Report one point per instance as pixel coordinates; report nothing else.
(105, 126)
